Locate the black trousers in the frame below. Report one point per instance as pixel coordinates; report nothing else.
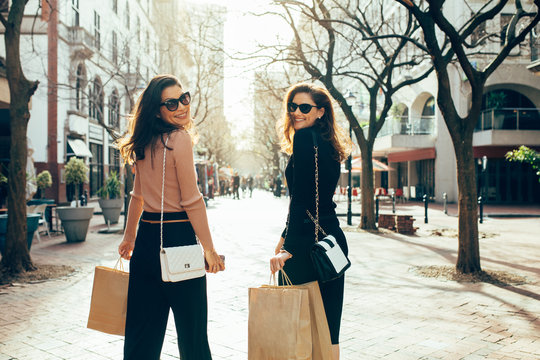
(300, 270)
(149, 298)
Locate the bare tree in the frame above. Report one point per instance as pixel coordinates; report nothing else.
(204, 42)
(346, 46)
(268, 90)
(195, 54)
(219, 143)
(16, 256)
(449, 43)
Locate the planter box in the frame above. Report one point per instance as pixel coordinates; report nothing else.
(32, 223)
(403, 224)
(111, 209)
(75, 221)
(387, 221)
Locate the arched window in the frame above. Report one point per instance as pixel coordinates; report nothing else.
(91, 106)
(114, 110)
(96, 100)
(79, 83)
(429, 107)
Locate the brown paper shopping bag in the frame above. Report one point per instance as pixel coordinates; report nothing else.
(279, 326)
(320, 333)
(109, 300)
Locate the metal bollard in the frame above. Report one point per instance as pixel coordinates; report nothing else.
(393, 204)
(425, 199)
(445, 199)
(481, 204)
(377, 208)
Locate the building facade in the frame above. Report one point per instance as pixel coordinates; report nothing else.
(92, 60)
(416, 144)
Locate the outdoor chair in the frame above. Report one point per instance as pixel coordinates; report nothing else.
(399, 195)
(355, 193)
(39, 209)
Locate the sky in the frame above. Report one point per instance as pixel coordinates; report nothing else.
(243, 31)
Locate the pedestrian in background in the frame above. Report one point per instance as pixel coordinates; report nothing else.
(277, 184)
(161, 121)
(309, 112)
(250, 185)
(236, 186)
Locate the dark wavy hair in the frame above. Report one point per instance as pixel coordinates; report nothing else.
(145, 127)
(330, 129)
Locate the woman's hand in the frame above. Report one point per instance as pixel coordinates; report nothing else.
(125, 249)
(279, 245)
(214, 261)
(278, 261)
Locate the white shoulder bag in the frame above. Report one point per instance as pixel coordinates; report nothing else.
(178, 263)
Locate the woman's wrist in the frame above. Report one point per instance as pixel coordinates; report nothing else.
(285, 252)
(128, 238)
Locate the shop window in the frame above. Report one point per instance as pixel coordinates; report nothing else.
(96, 168)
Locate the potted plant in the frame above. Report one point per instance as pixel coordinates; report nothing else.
(43, 180)
(75, 220)
(32, 222)
(110, 200)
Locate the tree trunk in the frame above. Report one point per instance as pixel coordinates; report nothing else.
(16, 257)
(367, 220)
(468, 246)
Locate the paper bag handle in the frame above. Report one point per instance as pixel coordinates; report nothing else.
(284, 278)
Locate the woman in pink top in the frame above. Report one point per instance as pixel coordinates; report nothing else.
(162, 119)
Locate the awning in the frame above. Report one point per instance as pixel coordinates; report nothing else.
(377, 165)
(78, 148)
(412, 155)
(357, 165)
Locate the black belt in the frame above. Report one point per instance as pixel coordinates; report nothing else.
(169, 217)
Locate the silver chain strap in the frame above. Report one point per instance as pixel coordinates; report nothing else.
(162, 195)
(316, 221)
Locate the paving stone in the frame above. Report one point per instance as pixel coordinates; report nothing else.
(389, 311)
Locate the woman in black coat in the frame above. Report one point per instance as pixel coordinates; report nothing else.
(309, 117)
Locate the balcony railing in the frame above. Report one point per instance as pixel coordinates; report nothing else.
(535, 52)
(424, 125)
(509, 119)
(535, 44)
(79, 36)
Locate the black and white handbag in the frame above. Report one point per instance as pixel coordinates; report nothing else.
(329, 260)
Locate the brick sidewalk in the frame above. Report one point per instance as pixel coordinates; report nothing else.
(389, 312)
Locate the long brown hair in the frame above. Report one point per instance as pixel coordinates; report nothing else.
(330, 129)
(145, 127)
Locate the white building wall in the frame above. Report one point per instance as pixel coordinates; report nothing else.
(98, 63)
(512, 74)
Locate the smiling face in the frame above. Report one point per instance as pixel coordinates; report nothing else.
(182, 115)
(301, 120)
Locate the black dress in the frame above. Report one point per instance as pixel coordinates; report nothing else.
(300, 231)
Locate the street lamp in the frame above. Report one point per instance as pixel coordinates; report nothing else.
(351, 99)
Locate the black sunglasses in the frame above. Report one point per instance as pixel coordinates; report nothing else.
(172, 104)
(304, 108)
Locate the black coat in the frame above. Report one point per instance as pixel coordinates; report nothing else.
(299, 233)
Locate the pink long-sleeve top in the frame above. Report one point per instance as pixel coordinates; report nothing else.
(181, 190)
